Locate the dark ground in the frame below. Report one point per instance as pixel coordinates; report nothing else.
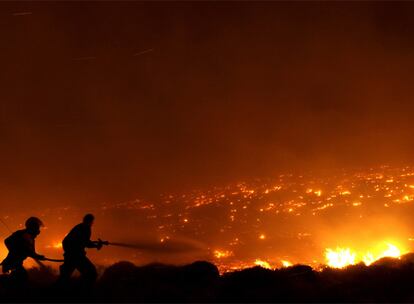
(387, 280)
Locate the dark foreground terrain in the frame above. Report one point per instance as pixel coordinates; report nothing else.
(388, 280)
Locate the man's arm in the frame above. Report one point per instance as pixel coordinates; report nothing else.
(91, 244)
(99, 244)
(37, 256)
(31, 252)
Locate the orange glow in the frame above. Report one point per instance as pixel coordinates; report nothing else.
(57, 245)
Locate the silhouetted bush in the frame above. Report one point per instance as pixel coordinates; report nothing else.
(158, 282)
(387, 280)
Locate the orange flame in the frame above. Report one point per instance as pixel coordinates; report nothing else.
(343, 257)
(263, 264)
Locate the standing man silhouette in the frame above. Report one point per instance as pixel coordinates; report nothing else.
(74, 245)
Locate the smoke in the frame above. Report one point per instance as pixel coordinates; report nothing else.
(165, 247)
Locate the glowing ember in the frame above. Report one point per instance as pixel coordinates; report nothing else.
(219, 254)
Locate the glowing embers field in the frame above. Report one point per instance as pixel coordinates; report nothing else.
(337, 220)
(333, 219)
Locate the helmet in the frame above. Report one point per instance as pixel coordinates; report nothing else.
(33, 223)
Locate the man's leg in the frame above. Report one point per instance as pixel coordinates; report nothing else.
(88, 272)
(65, 271)
(7, 264)
(19, 282)
(21, 275)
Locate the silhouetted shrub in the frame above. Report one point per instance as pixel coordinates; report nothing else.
(387, 280)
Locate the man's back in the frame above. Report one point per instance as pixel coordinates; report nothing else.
(77, 239)
(20, 244)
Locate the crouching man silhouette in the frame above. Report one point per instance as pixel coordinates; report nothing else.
(21, 245)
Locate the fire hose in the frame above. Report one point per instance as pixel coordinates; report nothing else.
(53, 260)
(167, 247)
(99, 243)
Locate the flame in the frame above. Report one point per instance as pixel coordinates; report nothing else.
(342, 257)
(263, 264)
(392, 251)
(286, 263)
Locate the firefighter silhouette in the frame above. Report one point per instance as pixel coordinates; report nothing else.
(74, 245)
(21, 245)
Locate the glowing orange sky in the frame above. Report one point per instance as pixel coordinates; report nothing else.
(104, 102)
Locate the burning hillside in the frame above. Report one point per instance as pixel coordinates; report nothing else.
(338, 220)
